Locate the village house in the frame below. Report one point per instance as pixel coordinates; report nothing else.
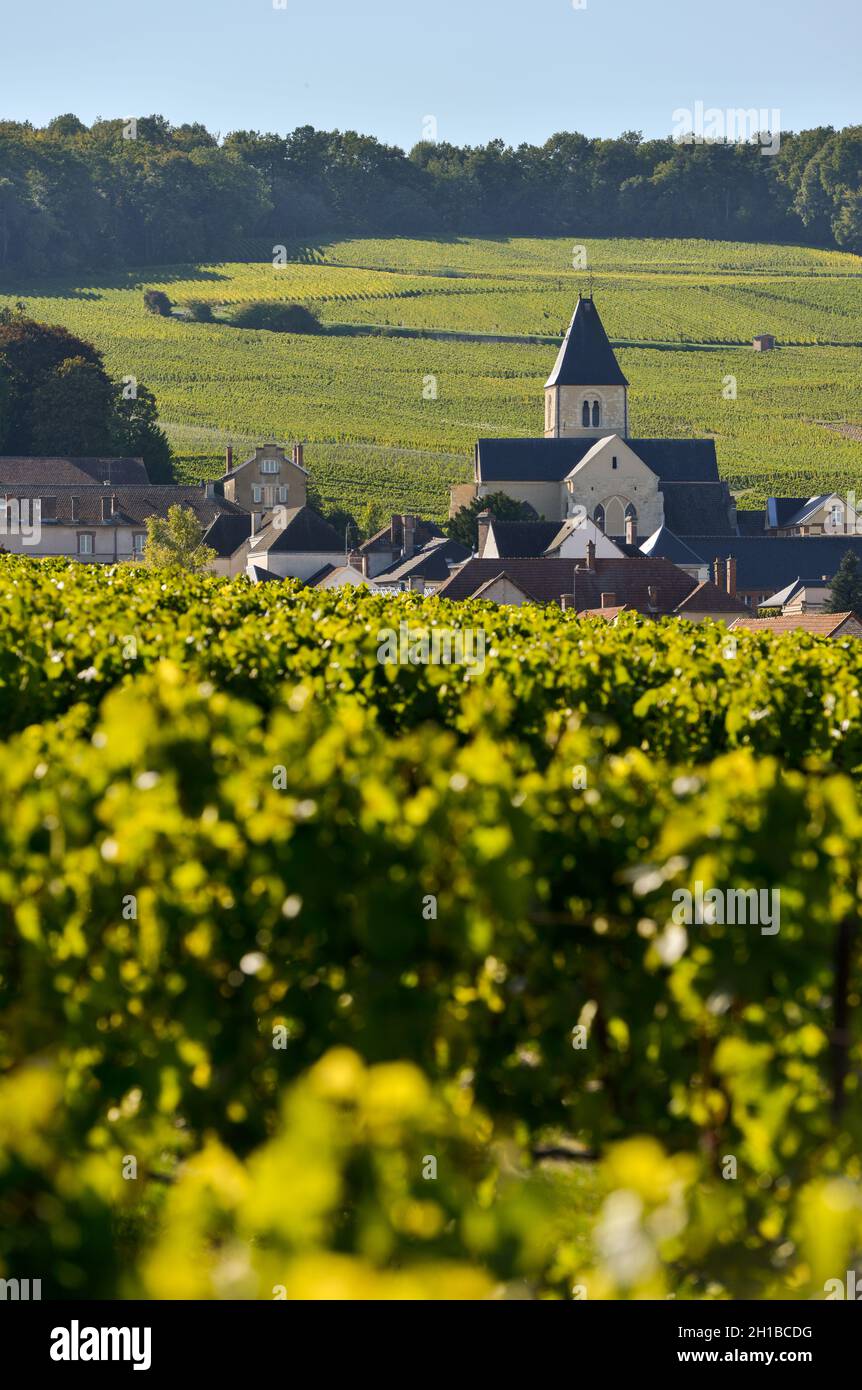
(267, 479)
(95, 522)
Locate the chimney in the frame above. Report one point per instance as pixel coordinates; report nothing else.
(483, 522)
(609, 600)
(396, 532)
(409, 525)
(591, 554)
(631, 531)
(228, 458)
(298, 455)
(719, 576)
(652, 598)
(358, 561)
(209, 489)
(256, 519)
(730, 570)
(416, 584)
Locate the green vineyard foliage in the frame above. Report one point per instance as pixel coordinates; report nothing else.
(333, 949)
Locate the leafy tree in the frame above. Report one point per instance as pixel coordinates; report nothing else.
(463, 525)
(277, 317)
(846, 586)
(57, 398)
(72, 408)
(175, 542)
(199, 310)
(136, 433)
(29, 353)
(157, 302)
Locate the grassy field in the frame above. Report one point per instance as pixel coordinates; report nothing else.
(685, 310)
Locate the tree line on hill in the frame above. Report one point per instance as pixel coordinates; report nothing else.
(127, 193)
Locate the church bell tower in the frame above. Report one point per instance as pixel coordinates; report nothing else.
(586, 395)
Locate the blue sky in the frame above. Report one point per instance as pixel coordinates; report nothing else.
(518, 69)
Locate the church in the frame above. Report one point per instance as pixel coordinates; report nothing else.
(630, 488)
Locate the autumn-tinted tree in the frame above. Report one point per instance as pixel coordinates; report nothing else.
(175, 542)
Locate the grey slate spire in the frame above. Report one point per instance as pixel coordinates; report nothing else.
(586, 357)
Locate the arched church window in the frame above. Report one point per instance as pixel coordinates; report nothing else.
(631, 513)
(597, 414)
(615, 517)
(585, 415)
(599, 517)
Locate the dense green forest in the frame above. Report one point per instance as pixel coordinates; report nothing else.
(127, 193)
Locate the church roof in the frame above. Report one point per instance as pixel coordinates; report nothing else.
(586, 357)
(552, 460)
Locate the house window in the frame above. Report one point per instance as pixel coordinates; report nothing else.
(282, 493)
(597, 414)
(614, 463)
(85, 542)
(599, 517)
(139, 540)
(585, 415)
(256, 492)
(270, 466)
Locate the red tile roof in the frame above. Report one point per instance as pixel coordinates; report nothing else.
(818, 624)
(629, 580)
(709, 598)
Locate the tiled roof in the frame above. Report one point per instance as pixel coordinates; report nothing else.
(808, 510)
(665, 545)
(629, 580)
(768, 563)
(48, 471)
(132, 504)
(780, 509)
(505, 577)
(520, 538)
(431, 562)
(322, 573)
(296, 529)
(424, 531)
(609, 614)
(783, 596)
(586, 357)
(818, 624)
(227, 532)
(552, 460)
(751, 523)
(709, 598)
(693, 509)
